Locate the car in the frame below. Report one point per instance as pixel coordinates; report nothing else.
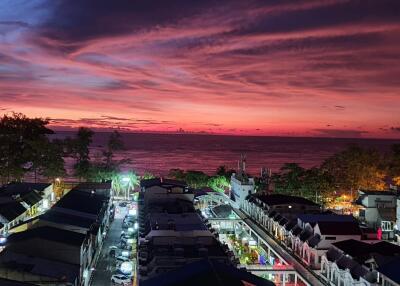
(120, 279)
(120, 259)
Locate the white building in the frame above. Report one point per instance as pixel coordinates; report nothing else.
(242, 185)
(353, 262)
(378, 210)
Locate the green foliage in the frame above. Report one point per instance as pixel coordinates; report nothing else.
(23, 143)
(223, 171)
(356, 168)
(114, 143)
(218, 183)
(147, 175)
(78, 147)
(394, 164)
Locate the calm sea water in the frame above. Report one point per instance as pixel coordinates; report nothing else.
(158, 153)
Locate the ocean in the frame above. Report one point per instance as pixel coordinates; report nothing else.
(158, 153)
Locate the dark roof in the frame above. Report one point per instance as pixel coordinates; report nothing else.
(374, 192)
(305, 235)
(94, 186)
(354, 248)
(283, 221)
(391, 270)
(31, 198)
(206, 272)
(279, 199)
(7, 282)
(39, 266)
(291, 224)
(12, 210)
(314, 240)
(82, 201)
(296, 230)
(22, 188)
(336, 228)
(222, 211)
(162, 182)
(362, 251)
(312, 218)
(67, 219)
(49, 233)
(386, 248)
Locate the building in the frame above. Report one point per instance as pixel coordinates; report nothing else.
(207, 272)
(353, 262)
(8, 282)
(171, 233)
(75, 225)
(242, 185)
(378, 211)
(397, 227)
(44, 256)
(22, 201)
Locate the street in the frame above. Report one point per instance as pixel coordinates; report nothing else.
(106, 264)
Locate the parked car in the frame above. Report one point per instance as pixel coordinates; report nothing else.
(120, 259)
(112, 250)
(122, 204)
(120, 279)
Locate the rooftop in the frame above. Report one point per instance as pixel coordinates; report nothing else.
(39, 266)
(279, 199)
(50, 234)
(179, 222)
(7, 282)
(67, 219)
(313, 218)
(380, 193)
(342, 228)
(82, 202)
(12, 210)
(22, 188)
(166, 183)
(362, 251)
(207, 272)
(94, 186)
(391, 270)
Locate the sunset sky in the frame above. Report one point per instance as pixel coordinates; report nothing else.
(290, 68)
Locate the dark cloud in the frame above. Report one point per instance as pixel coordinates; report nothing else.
(395, 128)
(345, 133)
(88, 19)
(319, 16)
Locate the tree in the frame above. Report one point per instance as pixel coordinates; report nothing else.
(317, 185)
(21, 139)
(79, 148)
(394, 164)
(53, 164)
(177, 174)
(114, 143)
(147, 175)
(218, 183)
(356, 168)
(223, 171)
(196, 179)
(290, 178)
